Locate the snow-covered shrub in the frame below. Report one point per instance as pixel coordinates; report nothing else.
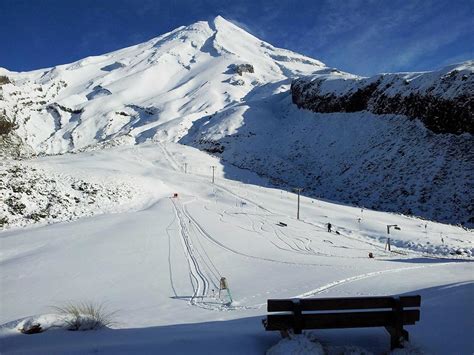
(85, 316)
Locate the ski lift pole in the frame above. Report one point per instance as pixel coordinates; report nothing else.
(395, 226)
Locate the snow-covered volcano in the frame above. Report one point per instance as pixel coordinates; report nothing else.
(214, 86)
(162, 85)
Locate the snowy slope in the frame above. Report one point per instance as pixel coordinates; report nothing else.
(384, 162)
(158, 266)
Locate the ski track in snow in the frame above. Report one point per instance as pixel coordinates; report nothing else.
(294, 240)
(175, 166)
(365, 276)
(203, 272)
(199, 281)
(168, 229)
(223, 246)
(300, 244)
(355, 278)
(173, 163)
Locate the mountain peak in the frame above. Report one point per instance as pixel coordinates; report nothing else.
(220, 21)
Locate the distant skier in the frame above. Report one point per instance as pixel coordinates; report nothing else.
(329, 227)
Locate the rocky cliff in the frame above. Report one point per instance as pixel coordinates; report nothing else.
(443, 100)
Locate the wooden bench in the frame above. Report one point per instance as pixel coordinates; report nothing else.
(354, 312)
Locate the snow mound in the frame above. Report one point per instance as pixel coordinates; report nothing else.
(296, 345)
(307, 344)
(41, 323)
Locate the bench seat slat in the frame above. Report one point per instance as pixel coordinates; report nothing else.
(326, 304)
(340, 320)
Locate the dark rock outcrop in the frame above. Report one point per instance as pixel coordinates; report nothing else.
(4, 80)
(442, 100)
(244, 68)
(6, 126)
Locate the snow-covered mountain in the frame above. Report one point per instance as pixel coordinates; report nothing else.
(216, 87)
(160, 86)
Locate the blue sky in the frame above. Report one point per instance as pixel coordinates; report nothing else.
(359, 36)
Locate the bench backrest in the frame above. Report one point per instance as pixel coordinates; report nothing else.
(333, 304)
(384, 311)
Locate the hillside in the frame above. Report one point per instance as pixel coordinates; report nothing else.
(383, 162)
(393, 142)
(158, 265)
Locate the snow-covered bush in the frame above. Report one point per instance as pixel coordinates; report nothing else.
(85, 316)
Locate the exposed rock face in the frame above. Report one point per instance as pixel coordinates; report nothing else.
(244, 68)
(5, 125)
(4, 80)
(442, 100)
(98, 91)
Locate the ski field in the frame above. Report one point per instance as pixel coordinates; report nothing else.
(157, 263)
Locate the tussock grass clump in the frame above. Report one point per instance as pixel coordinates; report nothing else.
(85, 315)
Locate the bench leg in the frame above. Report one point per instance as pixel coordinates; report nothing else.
(405, 335)
(395, 342)
(397, 337)
(284, 333)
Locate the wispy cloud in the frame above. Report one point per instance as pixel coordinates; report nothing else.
(371, 36)
(360, 36)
